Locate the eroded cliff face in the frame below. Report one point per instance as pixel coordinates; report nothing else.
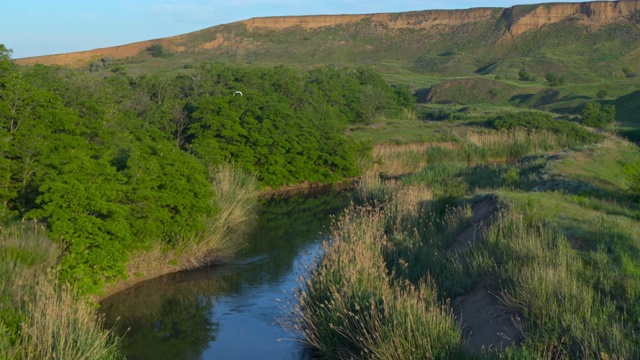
(589, 13)
(412, 20)
(516, 20)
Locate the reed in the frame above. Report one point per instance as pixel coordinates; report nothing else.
(236, 199)
(394, 160)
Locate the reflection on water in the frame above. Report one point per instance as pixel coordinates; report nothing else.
(230, 311)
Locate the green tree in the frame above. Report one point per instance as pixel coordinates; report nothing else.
(595, 114)
(168, 194)
(83, 205)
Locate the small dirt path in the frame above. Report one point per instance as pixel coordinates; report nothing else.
(485, 212)
(485, 322)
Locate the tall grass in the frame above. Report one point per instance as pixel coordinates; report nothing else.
(562, 316)
(394, 160)
(495, 146)
(40, 319)
(60, 326)
(355, 306)
(236, 199)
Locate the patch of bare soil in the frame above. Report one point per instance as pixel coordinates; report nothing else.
(485, 212)
(485, 322)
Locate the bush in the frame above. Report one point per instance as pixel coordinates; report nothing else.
(602, 94)
(597, 115)
(435, 114)
(156, 50)
(543, 121)
(95, 66)
(554, 79)
(523, 75)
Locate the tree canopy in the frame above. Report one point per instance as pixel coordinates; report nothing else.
(117, 163)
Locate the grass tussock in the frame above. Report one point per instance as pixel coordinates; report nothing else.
(355, 305)
(498, 146)
(59, 326)
(39, 318)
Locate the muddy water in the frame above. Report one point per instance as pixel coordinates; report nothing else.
(230, 311)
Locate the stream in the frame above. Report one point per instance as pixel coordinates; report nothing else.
(230, 311)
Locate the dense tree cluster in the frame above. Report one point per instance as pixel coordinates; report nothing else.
(117, 163)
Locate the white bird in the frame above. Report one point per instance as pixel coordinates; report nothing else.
(238, 93)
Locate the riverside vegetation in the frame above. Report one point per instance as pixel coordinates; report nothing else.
(558, 251)
(127, 172)
(129, 178)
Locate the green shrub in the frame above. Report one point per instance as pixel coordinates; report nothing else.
(156, 50)
(554, 79)
(597, 115)
(523, 75)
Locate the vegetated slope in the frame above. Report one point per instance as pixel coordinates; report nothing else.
(603, 37)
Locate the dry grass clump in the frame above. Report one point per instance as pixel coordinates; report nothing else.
(60, 326)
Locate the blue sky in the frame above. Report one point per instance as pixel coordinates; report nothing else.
(42, 27)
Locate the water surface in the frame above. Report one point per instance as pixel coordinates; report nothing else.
(230, 311)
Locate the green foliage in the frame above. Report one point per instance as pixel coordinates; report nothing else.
(119, 164)
(602, 93)
(632, 172)
(523, 75)
(156, 50)
(554, 79)
(289, 126)
(595, 114)
(83, 205)
(167, 194)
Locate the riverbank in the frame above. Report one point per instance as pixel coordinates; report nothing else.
(542, 249)
(214, 311)
(236, 199)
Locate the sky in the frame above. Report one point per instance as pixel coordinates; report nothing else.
(44, 27)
